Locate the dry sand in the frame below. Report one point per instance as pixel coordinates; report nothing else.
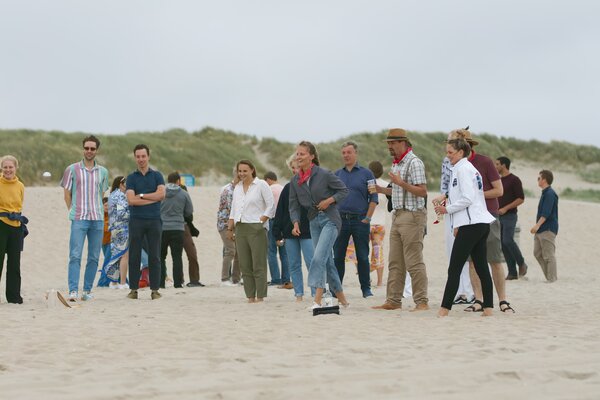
(208, 343)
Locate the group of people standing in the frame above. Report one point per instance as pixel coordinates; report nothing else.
(314, 217)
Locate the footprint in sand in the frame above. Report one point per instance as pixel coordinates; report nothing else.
(578, 376)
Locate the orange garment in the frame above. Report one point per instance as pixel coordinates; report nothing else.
(106, 237)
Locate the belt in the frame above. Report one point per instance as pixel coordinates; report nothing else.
(350, 216)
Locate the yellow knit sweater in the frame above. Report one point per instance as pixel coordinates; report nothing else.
(12, 193)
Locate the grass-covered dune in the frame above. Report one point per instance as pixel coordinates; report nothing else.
(210, 154)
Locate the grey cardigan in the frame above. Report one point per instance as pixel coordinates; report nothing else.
(322, 185)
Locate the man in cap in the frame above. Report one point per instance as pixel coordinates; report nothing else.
(492, 190)
(408, 191)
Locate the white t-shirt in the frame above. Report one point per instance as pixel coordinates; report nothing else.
(381, 214)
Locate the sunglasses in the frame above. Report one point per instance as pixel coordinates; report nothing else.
(89, 148)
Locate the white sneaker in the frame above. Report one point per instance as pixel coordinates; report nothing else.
(228, 283)
(73, 296)
(113, 285)
(87, 296)
(314, 305)
(124, 286)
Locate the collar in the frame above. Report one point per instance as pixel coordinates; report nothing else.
(82, 162)
(303, 176)
(9, 181)
(355, 166)
(472, 155)
(398, 160)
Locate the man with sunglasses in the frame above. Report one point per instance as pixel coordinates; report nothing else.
(84, 183)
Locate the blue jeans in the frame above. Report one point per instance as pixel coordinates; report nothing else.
(277, 278)
(295, 248)
(510, 248)
(94, 231)
(361, 235)
(322, 269)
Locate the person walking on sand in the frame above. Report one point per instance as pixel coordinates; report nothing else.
(295, 246)
(512, 198)
(470, 222)
(84, 184)
(318, 191)
(546, 228)
(408, 191)
(145, 190)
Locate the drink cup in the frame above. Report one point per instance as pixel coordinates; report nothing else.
(371, 185)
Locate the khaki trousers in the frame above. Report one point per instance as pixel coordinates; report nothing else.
(406, 254)
(230, 267)
(251, 247)
(544, 251)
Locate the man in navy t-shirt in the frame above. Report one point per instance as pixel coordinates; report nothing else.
(145, 191)
(546, 228)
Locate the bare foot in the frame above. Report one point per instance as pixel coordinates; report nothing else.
(487, 312)
(251, 300)
(299, 299)
(443, 312)
(259, 300)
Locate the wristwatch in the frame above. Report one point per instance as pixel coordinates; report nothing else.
(141, 195)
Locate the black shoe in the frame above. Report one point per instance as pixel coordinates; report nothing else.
(367, 293)
(511, 277)
(195, 284)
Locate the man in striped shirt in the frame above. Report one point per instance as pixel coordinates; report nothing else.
(84, 183)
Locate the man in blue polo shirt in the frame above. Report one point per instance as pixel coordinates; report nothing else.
(546, 228)
(356, 211)
(145, 190)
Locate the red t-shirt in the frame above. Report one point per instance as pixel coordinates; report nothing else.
(513, 189)
(488, 171)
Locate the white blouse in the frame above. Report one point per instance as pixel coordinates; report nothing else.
(250, 206)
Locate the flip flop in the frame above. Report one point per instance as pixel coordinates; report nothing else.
(62, 299)
(473, 308)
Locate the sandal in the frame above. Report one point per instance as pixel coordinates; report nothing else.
(474, 308)
(507, 306)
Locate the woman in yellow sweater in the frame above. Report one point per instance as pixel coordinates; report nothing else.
(11, 232)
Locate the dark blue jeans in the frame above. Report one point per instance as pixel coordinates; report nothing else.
(510, 248)
(174, 240)
(276, 277)
(360, 234)
(151, 230)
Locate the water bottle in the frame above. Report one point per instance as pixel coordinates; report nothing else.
(327, 300)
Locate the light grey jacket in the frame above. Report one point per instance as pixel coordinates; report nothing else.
(322, 184)
(176, 205)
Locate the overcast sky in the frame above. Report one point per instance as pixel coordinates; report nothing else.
(310, 69)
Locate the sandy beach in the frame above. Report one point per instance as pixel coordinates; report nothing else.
(207, 343)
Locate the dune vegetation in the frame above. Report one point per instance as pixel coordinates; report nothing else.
(210, 154)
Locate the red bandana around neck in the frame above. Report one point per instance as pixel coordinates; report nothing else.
(472, 156)
(398, 159)
(303, 176)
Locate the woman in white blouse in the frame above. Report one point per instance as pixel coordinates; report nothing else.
(251, 208)
(471, 224)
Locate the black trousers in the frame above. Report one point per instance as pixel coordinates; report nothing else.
(470, 240)
(174, 240)
(11, 239)
(150, 230)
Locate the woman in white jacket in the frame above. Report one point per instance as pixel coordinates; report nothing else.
(470, 221)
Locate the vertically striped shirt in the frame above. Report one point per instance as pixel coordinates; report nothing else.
(87, 187)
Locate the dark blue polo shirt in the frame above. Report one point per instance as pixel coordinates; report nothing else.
(548, 208)
(358, 198)
(145, 184)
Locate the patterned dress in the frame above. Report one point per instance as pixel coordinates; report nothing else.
(118, 225)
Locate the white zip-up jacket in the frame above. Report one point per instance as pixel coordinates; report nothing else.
(466, 202)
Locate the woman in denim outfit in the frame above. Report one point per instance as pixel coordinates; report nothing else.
(318, 191)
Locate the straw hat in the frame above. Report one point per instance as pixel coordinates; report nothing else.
(462, 134)
(397, 134)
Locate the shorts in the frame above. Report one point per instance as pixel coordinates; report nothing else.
(494, 243)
